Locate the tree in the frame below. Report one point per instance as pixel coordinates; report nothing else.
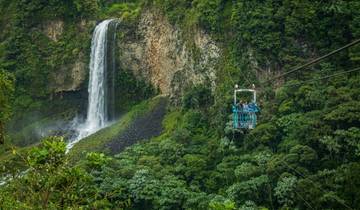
(220, 203)
(6, 92)
(285, 191)
(144, 188)
(198, 97)
(49, 182)
(173, 193)
(86, 8)
(254, 189)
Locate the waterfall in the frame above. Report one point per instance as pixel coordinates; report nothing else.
(101, 88)
(101, 83)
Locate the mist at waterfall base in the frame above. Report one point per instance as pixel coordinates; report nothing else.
(101, 86)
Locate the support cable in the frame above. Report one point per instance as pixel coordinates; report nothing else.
(298, 194)
(304, 177)
(313, 61)
(313, 182)
(326, 77)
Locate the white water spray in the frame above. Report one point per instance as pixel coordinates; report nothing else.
(97, 115)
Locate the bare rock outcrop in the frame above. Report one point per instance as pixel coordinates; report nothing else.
(69, 77)
(53, 29)
(154, 50)
(158, 52)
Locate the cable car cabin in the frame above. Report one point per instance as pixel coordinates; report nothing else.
(244, 113)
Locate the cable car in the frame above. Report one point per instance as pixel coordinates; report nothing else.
(244, 114)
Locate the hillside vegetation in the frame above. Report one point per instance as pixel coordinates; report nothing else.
(304, 153)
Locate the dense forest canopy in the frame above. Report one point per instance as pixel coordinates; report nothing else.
(304, 153)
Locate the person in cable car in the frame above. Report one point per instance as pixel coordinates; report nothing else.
(244, 113)
(240, 105)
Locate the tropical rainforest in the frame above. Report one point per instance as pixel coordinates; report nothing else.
(303, 154)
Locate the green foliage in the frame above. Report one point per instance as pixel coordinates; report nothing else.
(246, 170)
(208, 13)
(143, 186)
(198, 97)
(47, 180)
(285, 191)
(130, 90)
(51, 183)
(128, 12)
(98, 141)
(51, 153)
(220, 204)
(260, 20)
(6, 93)
(304, 153)
(345, 113)
(266, 134)
(252, 189)
(40, 39)
(86, 8)
(96, 160)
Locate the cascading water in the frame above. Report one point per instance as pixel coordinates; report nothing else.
(101, 87)
(97, 111)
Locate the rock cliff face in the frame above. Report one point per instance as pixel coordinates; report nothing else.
(53, 29)
(154, 50)
(158, 52)
(70, 76)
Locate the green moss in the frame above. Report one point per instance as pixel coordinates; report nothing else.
(171, 121)
(14, 156)
(130, 90)
(98, 141)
